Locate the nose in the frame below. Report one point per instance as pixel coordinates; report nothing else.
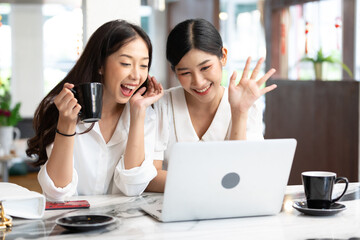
(197, 80)
(135, 73)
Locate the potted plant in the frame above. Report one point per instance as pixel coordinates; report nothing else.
(9, 117)
(320, 59)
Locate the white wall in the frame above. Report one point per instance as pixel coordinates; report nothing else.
(26, 23)
(98, 12)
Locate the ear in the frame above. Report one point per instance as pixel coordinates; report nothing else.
(101, 70)
(224, 57)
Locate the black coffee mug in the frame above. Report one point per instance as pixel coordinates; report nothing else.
(89, 96)
(318, 188)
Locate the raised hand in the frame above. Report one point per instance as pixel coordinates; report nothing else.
(243, 95)
(154, 92)
(67, 104)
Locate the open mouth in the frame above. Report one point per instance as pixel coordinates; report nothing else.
(127, 90)
(204, 90)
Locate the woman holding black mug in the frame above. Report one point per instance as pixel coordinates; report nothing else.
(114, 154)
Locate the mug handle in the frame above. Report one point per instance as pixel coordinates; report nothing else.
(75, 95)
(346, 187)
(17, 133)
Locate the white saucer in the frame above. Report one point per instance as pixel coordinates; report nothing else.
(334, 209)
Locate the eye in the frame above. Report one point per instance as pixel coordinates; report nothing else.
(205, 68)
(184, 73)
(144, 66)
(125, 64)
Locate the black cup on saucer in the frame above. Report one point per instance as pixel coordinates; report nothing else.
(318, 186)
(89, 96)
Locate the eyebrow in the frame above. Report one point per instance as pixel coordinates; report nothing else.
(128, 56)
(202, 63)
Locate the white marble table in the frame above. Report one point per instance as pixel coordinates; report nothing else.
(132, 223)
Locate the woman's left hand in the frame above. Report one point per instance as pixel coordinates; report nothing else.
(244, 94)
(154, 92)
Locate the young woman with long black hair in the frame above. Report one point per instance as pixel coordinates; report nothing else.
(116, 153)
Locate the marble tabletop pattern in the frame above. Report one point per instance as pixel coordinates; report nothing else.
(132, 223)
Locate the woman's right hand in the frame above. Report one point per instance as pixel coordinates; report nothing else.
(67, 105)
(60, 163)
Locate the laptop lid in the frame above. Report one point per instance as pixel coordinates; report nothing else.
(224, 179)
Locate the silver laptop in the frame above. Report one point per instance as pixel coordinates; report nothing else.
(226, 179)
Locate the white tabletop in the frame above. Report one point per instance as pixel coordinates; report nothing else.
(132, 223)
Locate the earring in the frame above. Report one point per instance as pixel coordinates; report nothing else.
(100, 72)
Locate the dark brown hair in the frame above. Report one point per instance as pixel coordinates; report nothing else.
(106, 40)
(192, 34)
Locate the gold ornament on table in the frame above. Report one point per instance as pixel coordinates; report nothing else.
(5, 223)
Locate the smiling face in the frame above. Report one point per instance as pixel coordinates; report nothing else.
(200, 75)
(125, 70)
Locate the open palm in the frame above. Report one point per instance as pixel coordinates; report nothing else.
(244, 94)
(154, 92)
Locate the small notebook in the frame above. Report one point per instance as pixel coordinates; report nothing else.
(21, 202)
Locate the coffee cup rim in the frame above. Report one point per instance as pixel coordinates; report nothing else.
(318, 174)
(83, 83)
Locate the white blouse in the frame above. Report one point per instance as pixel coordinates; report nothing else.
(174, 122)
(99, 166)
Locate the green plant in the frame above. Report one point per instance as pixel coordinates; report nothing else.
(320, 58)
(8, 116)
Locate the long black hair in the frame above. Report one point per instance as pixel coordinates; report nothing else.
(106, 40)
(192, 34)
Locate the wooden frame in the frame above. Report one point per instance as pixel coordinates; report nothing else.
(323, 116)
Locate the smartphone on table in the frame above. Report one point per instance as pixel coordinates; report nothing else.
(78, 204)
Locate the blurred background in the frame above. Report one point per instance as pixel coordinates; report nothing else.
(40, 41)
